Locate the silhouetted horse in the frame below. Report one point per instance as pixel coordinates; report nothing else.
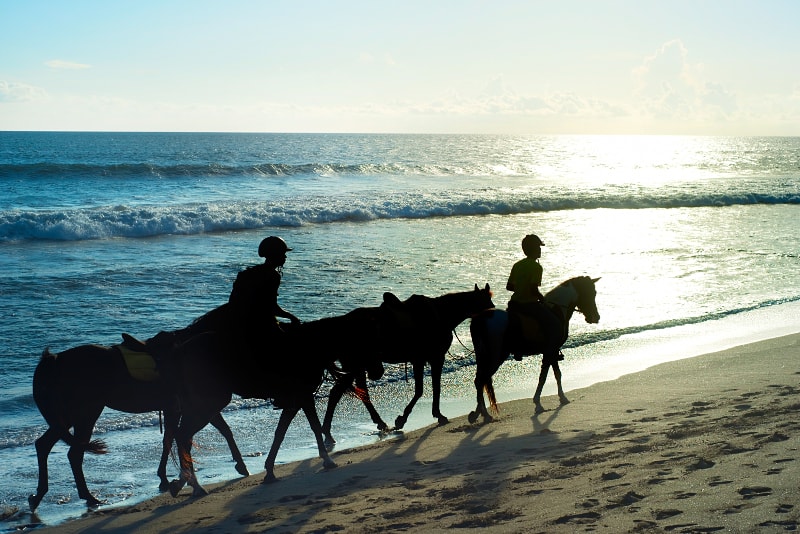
(72, 388)
(488, 332)
(211, 368)
(418, 330)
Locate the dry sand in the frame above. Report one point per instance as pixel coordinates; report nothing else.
(706, 444)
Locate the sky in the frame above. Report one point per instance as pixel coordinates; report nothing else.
(688, 67)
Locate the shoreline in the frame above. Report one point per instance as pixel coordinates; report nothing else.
(697, 444)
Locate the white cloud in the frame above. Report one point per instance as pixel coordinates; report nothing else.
(20, 92)
(60, 64)
(669, 86)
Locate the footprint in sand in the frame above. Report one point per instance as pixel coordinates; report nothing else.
(660, 515)
(580, 519)
(701, 463)
(755, 491)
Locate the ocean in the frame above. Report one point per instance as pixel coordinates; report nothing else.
(696, 241)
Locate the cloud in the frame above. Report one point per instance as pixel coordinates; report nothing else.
(20, 92)
(669, 86)
(60, 64)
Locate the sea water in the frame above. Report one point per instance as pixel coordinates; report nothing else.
(696, 241)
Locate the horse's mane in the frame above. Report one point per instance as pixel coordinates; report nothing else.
(217, 319)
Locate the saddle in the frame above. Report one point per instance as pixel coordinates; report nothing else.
(140, 364)
(131, 343)
(525, 335)
(413, 313)
(396, 314)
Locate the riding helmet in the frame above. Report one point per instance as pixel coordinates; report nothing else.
(272, 245)
(531, 240)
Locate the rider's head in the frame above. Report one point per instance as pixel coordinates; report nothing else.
(273, 249)
(532, 246)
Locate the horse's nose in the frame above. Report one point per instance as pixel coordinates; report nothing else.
(593, 319)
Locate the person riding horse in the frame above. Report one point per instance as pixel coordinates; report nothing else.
(254, 297)
(527, 301)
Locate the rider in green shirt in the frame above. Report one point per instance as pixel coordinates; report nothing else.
(527, 299)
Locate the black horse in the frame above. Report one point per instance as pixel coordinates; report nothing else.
(418, 330)
(488, 332)
(72, 388)
(289, 370)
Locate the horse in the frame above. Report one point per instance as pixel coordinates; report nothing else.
(418, 330)
(488, 332)
(71, 389)
(288, 370)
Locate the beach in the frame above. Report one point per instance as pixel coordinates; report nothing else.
(703, 444)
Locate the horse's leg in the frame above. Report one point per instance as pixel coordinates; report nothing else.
(190, 425)
(310, 409)
(170, 425)
(480, 408)
(342, 384)
(436, 386)
(557, 373)
(363, 394)
(542, 380)
(218, 422)
(419, 375)
(287, 414)
(83, 434)
(43, 447)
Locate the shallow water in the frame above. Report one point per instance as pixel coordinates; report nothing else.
(695, 239)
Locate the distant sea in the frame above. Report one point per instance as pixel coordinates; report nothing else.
(696, 239)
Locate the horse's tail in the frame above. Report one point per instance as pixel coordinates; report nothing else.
(488, 388)
(45, 394)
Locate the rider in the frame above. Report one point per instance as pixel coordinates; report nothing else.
(527, 299)
(254, 296)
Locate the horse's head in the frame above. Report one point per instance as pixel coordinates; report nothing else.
(482, 299)
(584, 286)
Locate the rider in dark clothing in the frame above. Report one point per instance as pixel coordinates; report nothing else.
(527, 299)
(254, 297)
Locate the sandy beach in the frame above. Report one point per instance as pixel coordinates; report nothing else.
(706, 444)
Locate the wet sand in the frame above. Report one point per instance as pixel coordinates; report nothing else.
(704, 444)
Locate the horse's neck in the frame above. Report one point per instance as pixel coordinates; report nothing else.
(565, 297)
(449, 310)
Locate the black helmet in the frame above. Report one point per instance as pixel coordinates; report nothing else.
(531, 240)
(272, 245)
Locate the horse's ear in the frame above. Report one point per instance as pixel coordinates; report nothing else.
(596, 279)
(487, 288)
(476, 287)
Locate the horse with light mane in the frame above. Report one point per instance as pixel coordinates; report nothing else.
(489, 331)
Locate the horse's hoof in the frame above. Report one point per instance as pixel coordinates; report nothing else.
(488, 419)
(443, 420)
(199, 491)
(164, 486)
(564, 400)
(33, 502)
(175, 487)
(472, 417)
(329, 464)
(91, 502)
(269, 478)
(400, 422)
(241, 468)
(539, 409)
